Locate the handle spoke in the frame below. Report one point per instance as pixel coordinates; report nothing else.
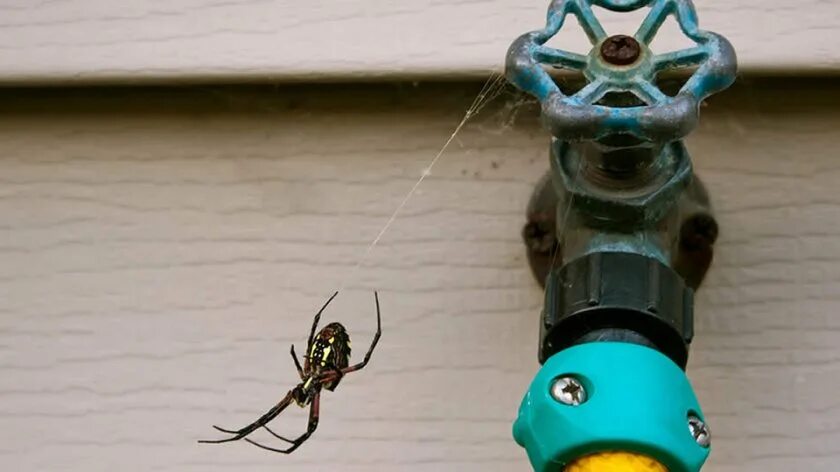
(589, 22)
(558, 57)
(658, 12)
(591, 93)
(649, 93)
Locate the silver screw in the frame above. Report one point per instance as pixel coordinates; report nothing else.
(700, 431)
(568, 390)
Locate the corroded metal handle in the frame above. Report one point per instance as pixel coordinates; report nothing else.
(621, 64)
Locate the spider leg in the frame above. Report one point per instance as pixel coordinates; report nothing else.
(332, 374)
(315, 328)
(313, 425)
(268, 416)
(265, 427)
(338, 375)
(364, 362)
(297, 363)
(317, 318)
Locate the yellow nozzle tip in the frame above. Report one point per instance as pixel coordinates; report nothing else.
(616, 462)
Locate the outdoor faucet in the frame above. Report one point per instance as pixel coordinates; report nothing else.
(621, 233)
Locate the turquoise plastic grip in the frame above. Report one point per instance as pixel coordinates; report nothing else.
(638, 400)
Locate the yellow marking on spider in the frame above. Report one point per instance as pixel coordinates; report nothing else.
(326, 355)
(332, 340)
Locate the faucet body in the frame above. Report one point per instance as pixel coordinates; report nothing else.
(621, 232)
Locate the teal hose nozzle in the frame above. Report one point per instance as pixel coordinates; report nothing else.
(608, 396)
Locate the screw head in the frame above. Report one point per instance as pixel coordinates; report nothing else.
(621, 50)
(568, 391)
(699, 431)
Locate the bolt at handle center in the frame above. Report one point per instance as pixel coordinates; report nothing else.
(621, 50)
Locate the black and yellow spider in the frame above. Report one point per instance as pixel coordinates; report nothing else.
(327, 360)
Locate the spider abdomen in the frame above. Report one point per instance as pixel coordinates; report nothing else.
(331, 347)
(330, 350)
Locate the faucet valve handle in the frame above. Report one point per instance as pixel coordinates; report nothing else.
(621, 63)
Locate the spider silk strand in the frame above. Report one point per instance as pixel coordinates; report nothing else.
(492, 88)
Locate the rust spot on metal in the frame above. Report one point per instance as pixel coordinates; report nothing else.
(621, 50)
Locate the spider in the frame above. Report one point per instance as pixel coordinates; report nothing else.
(324, 365)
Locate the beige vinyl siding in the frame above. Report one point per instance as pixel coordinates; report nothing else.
(161, 249)
(81, 41)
